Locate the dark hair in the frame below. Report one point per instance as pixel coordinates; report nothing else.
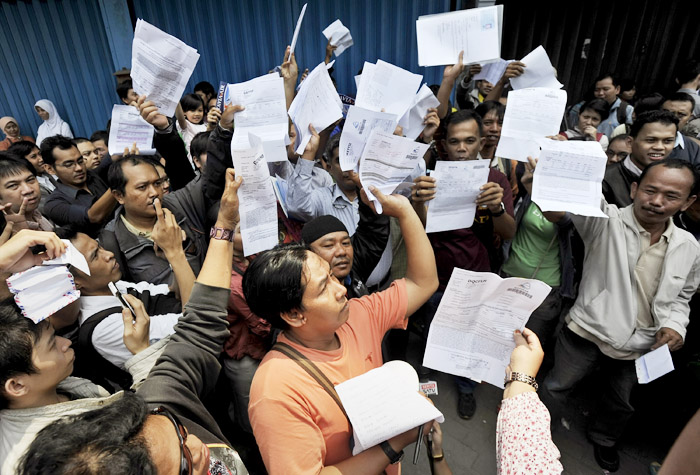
(104, 440)
(22, 148)
(153, 160)
(205, 87)
(688, 71)
(664, 117)
(682, 97)
(68, 231)
(487, 106)
(13, 165)
(115, 175)
(678, 164)
(100, 135)
(627, 84)
(464, 115)
(18, 335)
(618, 137)
(605, 75)
(650, 102)
(332, 144)
(79, 140)
(50, 143)
(599, 106)
(191, 102)
(199, 144)
(274, 282)
(123, 89)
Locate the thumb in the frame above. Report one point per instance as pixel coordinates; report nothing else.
(128, 319)
(519, 338)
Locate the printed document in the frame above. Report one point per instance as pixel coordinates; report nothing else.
(454, 205)
(339, 36)
(128, 128)
(569, 177)
(492, 72)
(532, 114)
(412, 120)
(654, 364)
(296, 30)
(388, 87)
(383, 403)
(476, 31)
(258, 203)
(386, 161)
(317, 103)
(161, 65)
(359, 123)
(539, 71)
(472, 332)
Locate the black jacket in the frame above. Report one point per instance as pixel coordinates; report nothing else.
(617, 183)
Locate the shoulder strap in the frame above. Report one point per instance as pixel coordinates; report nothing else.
(622, 112)
(313, 371)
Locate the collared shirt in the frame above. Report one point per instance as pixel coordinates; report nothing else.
(134, 230)
(679, 140)
(69, 205)
(608, 125)
(629, 164)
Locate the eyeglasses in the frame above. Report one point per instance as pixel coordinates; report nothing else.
(185, 454)
(619, 155)
(71, 163)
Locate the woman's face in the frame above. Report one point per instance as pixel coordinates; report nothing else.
(42, 113)
(588, 118)
(11, 129)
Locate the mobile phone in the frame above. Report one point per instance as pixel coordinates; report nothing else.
(122, 300)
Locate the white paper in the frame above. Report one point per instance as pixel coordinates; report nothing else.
(569, 177)
(654, 364)
(539, 72)
(265, 114)
(339, 35)
(386, 161)
(72, 257)
(388, 87)
(258, 204)
(42, 291)
(161, 65)
(472, 332)
(317, 103)
(454, 205)
(476, 31)
(531, 115)
(384, 402)
(359, 123)
(128, 127)
(412, 120)
(296, 30)
(492, 72)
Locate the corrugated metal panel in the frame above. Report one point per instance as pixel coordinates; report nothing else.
(57, 50)
(238, 40)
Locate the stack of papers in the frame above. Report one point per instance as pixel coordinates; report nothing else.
(72, 257)
(412, 120)
(476, 31)
(653, 365)
(128, 128)
(383, 403)
(359, 124)
(339, 36)
(42, 291)
(388, 87)
(539, 72)
(569, 177)
(161, 65)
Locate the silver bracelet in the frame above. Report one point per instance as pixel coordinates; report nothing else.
(523, 378)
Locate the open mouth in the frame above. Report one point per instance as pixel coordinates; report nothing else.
(655, 156)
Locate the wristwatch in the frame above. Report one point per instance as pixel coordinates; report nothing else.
(394, 458)
(222, 234)
(500, 212)
(522, 378)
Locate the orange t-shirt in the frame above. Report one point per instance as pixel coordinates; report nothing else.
(297, 425)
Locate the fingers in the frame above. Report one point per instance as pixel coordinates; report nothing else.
(6, 233)
(313, 130)
(519, 338)
(286, 54)
(22, 207)
(158, 207)
(459, 60)
(532, 340)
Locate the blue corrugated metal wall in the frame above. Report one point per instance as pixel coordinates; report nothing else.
(57, 50)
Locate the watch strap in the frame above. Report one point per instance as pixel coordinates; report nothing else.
(222, 234)
(499, 212)
(391, 453)
(522, 378)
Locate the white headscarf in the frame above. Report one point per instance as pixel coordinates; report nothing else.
(54, 126)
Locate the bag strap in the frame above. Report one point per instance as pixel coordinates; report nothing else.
(313, 371)
(549, 246)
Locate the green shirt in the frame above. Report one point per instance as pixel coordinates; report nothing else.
(530, 248)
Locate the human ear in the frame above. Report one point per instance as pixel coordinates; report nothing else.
(633, 190)
(16, 387)
(690, 201)
(118, 196)
(293, 318)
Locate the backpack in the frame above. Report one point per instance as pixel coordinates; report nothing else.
(622, 113)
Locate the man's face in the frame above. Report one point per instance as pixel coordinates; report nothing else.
(90, 154)
(143, 186)
(53, 358)
(164, 180)
(131, 96)
(204, 97)
(102, 264)
(201, 162)
(11, 129)
(35, 159)
(605, 89)
(70, 167)
(663, 192)
(291, 154)
(165, 450)
(618, 150)
(492, 128)
(101, 148)
(654, 142)
(336, 249)
(682, 109)
(17, 188)
(343, 179)
(484, 87)
(463, 141)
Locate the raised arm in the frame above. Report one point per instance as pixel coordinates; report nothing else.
(290, 72)
(449, 76)
(219, 155)
(303, 203)
(101, 208)
(514, 69)
(526, 180)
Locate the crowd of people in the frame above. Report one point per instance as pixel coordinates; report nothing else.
(98, 387)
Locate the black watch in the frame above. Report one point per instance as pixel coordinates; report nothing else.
(394, 458)
(499, 212)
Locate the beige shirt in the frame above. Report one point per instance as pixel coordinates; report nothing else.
(134, 230)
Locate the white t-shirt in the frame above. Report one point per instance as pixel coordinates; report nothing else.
(188, 133)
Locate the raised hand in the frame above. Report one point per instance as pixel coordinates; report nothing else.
(452, 72)
(16, 254)
(150, 113)
(136, 326)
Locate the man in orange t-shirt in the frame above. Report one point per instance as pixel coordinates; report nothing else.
(297, 425)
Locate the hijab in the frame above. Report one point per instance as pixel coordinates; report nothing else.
(53, 126)
(6, 120)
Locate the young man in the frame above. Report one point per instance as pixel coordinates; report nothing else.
(198, 150)
(20, 194)
(81, 198)
(125, 91)
(688, 78)
(640, 272)
(30, 151)
(686, 148)
(471, 248)
(89, 152)
(205, 90)
(618, 149)
(606, 87)
(651, 139)
(100, 139)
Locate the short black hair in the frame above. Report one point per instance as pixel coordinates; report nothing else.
(464, 115)
(104, 440)
(679, 164)
(123, 89)
(18, 335)
(688, 71)
(79, 140)
(649, 102)
(613, 78)
(682, 97)
(23, 148)
(205, 87)
(599, 106)
(50, 143)
(274, 282)
(199, 143)
(100, 135)
(115, 175)
(487, 106)
(617, 138)
(627, 84)
(664, 117)
(191, 102)
(332, 144)
(12, 165)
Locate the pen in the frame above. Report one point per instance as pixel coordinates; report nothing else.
(419, 442)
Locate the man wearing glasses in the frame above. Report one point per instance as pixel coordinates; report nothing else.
(81, 198)
(618, 149)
